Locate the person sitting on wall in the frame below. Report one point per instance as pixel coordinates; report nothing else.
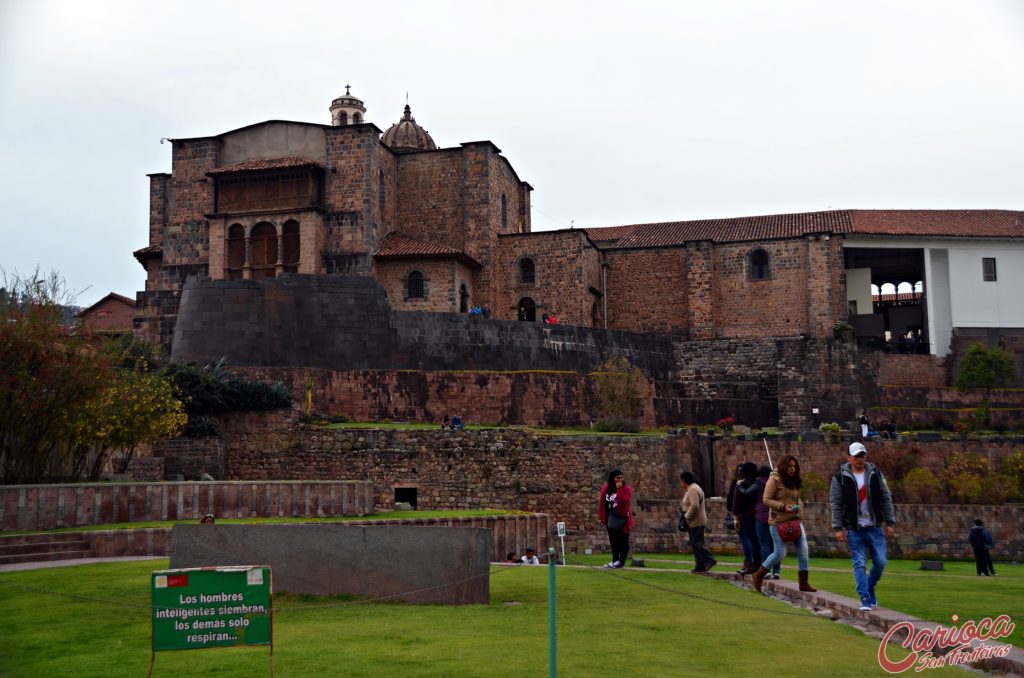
(487, 312)
(475, 310)
(446, 423)
(510, 558)
(456, 423)
(531, 557)
(207, 519)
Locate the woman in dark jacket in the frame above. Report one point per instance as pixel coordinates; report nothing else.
(614, 510)
(744, 502)
(764, 534)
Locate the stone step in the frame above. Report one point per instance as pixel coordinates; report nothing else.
(38, 537)
(44, 547)
(40, 557)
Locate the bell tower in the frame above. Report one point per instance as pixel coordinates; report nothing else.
(347, 109)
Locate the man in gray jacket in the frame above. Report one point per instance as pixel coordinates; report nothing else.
(861, 505)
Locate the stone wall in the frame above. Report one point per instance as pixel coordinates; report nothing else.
(45, 507)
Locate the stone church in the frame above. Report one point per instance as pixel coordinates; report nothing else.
(437, 231)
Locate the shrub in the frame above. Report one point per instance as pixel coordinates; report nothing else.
(896, 461)
(619, 391)
(833, 432)
(920, 486)
(726, 423)
(964, 475)
(255, 396)
(617, 425)
(815, 488)
(202, 426)
(1012, 470)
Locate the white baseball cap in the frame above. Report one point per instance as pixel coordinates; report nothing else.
(857, 450)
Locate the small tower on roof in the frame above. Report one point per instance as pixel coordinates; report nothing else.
(347, 109)
(406, 136)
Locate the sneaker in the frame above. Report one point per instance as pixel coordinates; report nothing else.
(871, 598)
(618, 564)
(611, 564)
(774, 575)
(865, 604)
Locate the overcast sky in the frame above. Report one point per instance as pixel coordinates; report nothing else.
(616, 113)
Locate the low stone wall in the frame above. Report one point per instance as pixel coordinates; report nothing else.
(44, 507)
(509, 533)
(440, 565)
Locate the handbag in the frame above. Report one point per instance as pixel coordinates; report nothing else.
(730, 522)
(789, 530)
(615, 521)
(683, 525)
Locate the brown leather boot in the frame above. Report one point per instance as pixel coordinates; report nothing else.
(746, 568)
(804, 586)
(759, 577)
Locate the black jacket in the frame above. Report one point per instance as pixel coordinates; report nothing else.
(979, 538)
(843, 498)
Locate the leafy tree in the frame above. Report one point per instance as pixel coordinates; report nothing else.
(983, 369)
(965, 475)
(619, 389)
(47, 372)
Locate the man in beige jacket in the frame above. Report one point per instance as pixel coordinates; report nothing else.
(692, 508)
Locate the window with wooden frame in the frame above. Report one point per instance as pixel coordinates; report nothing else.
(263, 251)
(527, 271)
(757, 265)
(290, 244)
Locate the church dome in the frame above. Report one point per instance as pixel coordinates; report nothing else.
(405, 135)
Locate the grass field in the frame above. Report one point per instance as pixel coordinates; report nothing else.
(94, 620)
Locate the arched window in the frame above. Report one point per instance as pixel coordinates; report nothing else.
(504, 212)
(290, 258)
(263, 250)
(757, 265)
(527, 310)
(414, 286)
(356, 118)
(236, 251)
(342, 118)
(463, 299)
(527, 271)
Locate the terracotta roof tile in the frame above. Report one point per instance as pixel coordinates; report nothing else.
(737, 229)
(399, 247)
(935, 223)
(607, 233)
(942, 223)
(289, 162)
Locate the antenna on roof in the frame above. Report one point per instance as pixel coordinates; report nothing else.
(572, 224)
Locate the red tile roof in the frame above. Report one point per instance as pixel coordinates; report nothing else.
(289, 162)
(399, 247)
(925, 223)
(942, 223)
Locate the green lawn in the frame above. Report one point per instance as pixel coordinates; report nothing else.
(631, 622)
(904, 586)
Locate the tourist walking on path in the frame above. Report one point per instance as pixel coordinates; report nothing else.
(614, 510)
(744, 502)
(861, 505)
(981, 542)
(692, 508)
(782, 497)
(764, 533)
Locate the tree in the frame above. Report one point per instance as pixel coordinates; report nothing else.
(620, 393)
(47, 372)
(983, 369)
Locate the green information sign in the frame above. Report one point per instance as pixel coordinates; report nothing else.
(212, 607)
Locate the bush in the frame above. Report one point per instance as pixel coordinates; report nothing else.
(202, 426)
(815, 488)
(833, 432)
(256, 396)
(726, 423)
(964, 476)
(920, 486)
(896, 461)
(1012, 470)
(619, 386)
(617, 425)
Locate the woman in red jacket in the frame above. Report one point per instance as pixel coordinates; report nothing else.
(614, 510)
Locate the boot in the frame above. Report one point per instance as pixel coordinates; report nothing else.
(804, 586)
(746, 569)
(759, 577)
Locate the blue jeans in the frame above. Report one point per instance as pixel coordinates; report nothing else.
(862, 540)
(748, 539)
(780, 550)
(764, 538)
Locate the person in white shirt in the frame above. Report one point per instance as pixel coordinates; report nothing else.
(530, 558)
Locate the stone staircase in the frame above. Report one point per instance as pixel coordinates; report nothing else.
(32, 548)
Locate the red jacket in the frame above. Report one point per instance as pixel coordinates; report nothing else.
(622, 505)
